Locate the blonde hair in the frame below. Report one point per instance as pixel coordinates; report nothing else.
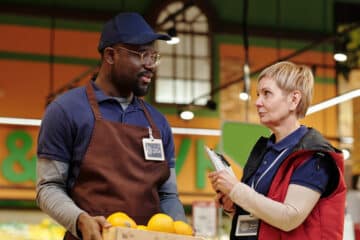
(290, 77)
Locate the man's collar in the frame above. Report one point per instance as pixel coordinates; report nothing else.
(102, 97)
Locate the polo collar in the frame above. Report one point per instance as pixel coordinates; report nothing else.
(102, 97)
(288, 142)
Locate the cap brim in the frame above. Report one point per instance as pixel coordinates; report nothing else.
(135, 40)
(145, 38)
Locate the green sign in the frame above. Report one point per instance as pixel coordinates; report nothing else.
(16, 167)
(239, 138)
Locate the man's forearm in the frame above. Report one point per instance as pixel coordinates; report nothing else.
(60, 207)
(51, 194)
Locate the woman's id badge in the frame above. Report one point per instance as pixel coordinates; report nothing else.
(153, 148)
(246, 225)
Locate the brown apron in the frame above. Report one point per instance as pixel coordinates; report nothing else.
(114, 175)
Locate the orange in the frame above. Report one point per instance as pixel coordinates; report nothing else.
(161, 222)
(183, 228)
(141, 227)
(121, 219)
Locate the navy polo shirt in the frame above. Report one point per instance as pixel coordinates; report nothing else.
(313, 174)
(68, 122)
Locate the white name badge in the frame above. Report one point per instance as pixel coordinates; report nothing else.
(246, 225)
(153, 149)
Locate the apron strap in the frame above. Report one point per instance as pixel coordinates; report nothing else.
(93, 102)
(147, 115)
(95, 106)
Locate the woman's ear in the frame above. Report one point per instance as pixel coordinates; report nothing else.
(295, 97)
(109, 55)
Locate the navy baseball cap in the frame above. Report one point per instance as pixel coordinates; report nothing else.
(129, 28)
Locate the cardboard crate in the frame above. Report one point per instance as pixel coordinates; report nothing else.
(122, 233)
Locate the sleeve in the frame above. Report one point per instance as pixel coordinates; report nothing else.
(169, 199)
(168, 193)
(299, 202)
(51, 194)
(313, 174)
(169, 148)
(54, 140)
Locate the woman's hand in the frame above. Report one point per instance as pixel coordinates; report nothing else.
(91, 227)
(222, 198)
(224, 201)
(222, 181)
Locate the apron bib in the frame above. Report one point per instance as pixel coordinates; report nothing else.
(114, 175)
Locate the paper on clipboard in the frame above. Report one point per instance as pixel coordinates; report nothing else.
(218, 161)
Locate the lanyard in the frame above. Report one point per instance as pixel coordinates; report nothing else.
(253, 186)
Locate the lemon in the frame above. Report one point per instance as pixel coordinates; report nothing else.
(121, 219)
(142, 227)
(183, 228)
(161, 222)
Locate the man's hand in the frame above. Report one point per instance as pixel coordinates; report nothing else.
(91, 227)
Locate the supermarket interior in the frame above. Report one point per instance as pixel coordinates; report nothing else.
(205, 86)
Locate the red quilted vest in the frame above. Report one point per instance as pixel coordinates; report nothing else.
(326, 220)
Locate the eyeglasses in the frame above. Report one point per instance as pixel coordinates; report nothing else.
(147, 58)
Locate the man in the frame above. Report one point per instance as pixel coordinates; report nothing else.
(101, 149)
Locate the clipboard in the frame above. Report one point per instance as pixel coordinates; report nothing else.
(218, 161)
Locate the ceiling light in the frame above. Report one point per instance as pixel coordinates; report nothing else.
(333, 101)
(20, 121)
(244, 96)
(346, 153)
(173, 41)
(186, 114)
(340, 57)
(174, 37)
(340, 48)
(347, 140)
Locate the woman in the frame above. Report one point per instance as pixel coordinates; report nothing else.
(292, 186)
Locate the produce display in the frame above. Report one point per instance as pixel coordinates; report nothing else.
(45, 230)
(121, 219)
(159, 222)
(159, 227)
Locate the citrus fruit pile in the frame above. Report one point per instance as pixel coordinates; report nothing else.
(121, 219)
(159, 222)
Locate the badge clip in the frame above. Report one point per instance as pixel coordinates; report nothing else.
(153, 148)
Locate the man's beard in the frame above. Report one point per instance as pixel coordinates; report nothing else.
(141, 91)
